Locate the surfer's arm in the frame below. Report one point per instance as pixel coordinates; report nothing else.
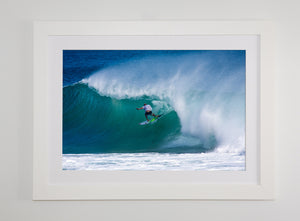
(140, 108)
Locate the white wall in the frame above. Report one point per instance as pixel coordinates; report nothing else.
(16, 27)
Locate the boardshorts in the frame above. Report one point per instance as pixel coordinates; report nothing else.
(148, 113)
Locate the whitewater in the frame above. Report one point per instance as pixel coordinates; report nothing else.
(201, 95)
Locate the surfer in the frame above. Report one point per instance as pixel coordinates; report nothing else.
(148, 110)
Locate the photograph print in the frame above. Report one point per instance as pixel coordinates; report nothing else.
(152, 110)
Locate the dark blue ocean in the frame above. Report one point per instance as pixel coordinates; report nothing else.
(201, 95)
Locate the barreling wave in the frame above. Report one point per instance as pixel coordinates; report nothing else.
(103, 124)
(203, 107)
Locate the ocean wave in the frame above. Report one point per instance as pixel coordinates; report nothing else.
(202, 99)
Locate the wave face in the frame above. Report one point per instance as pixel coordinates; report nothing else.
(201, 95)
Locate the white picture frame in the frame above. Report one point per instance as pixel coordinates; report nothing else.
(50, 182)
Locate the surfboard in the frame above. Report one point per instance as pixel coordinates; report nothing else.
(151, 121)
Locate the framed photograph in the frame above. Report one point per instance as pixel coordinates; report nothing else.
(153, 110)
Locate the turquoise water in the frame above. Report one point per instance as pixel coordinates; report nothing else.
(100, 124)
(200, 93)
